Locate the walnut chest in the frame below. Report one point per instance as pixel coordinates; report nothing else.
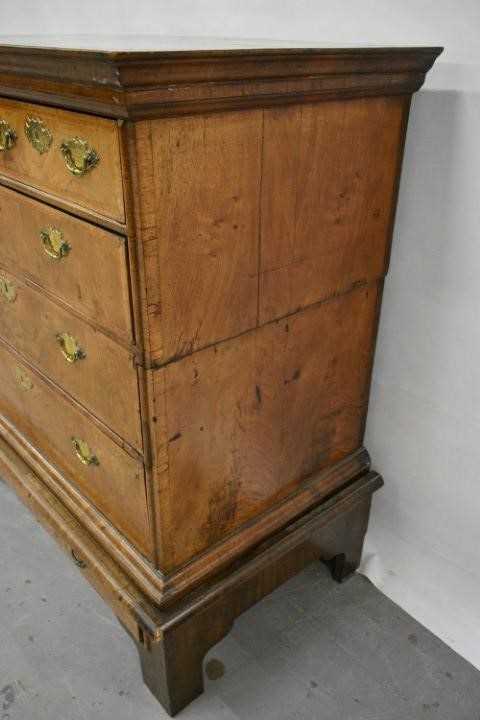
(193, 244)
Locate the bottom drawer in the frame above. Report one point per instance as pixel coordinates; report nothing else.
(106, 474)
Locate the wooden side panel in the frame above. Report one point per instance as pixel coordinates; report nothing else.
(92, 278)
(246, 421)
(116, 485)
(100, 189)
(328, 189)
(255, 215)
(200, 225)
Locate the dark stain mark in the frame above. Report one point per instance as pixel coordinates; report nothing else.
(222, 503)
(258, 393)
(376, 213)
(28, 581)
(358, 284)
(214, 669)
(295, 376)
(235, 227)
(449, 675)
(287, 327)
(202, 428)
(44, 599)
(195, 373)
(413, 639)
(177, 436)
(154, 419)
(8, 694)
(31, 638)
(313, 684)
(431, 706)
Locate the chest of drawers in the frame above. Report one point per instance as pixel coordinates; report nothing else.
(193, 245)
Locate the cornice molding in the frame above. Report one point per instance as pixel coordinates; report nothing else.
(136, 85)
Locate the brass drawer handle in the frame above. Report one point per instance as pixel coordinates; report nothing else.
(83, 452)
(38, 134)
(23, 379)
(78, 561)
(8, 290)
(53, 243)
(79, 157)
(8, 136)
(71, 350)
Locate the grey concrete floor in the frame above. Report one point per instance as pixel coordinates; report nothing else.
(313, 650)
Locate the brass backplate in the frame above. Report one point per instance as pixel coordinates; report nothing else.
(54, 244)
(38, 134)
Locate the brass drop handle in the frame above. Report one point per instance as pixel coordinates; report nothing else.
(54, 244)
(83, 452)
(8, 290)
(71, 350)
(8, 136)
(79, 157)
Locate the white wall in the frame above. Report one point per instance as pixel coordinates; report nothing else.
(423, 546)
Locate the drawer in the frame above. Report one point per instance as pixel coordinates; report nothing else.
(89, 365)
(71, 155)
(110, 478)
(80, 263)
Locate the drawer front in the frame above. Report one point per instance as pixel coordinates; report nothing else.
(80, 263)
(71, 155)
(112, 480)
(90, 366)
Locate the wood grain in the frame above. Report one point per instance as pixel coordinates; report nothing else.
(328, 190)
(258, 214)
(100, 189)
(200, 209)
(93, 278)
(116, 486)
(104, 381)
(247, 421)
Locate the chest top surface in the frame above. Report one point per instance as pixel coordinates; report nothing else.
(133, 77)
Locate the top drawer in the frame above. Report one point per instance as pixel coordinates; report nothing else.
(73, 156)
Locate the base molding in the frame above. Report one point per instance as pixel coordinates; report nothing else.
(172, 641)
(333, 533)
(162, 589)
